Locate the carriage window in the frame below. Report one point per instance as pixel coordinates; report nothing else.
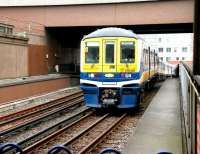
(127, 52)
(92, 52)
(109, 47)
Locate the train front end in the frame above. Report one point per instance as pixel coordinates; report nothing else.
(109, 69)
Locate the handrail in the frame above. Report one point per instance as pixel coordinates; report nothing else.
(189, 99)
(188, 68)
(191, 81)
(195, 78)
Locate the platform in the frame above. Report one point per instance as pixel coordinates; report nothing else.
(160, 127)
(12, 90)
(30, 79)
(17, 105)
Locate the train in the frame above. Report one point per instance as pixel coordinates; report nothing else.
(116, 65)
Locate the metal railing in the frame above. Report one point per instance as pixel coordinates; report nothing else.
(189, 100)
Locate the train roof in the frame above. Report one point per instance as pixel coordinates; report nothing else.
(111, 32)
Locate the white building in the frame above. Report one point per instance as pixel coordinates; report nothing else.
(172, 48)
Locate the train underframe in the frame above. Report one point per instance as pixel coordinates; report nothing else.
(128, 96)
(122, 97)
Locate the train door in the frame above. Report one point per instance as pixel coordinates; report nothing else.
(109, 56)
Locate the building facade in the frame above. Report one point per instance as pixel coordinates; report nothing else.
(172, 48)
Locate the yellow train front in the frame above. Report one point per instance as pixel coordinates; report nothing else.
(115, 66)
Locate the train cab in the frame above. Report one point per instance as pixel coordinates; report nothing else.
(108, 67)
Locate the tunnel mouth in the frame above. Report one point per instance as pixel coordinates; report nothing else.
(64, 42)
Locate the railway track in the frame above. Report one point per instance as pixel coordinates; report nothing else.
(49, 130)
(93, 132)
(88, 132)
(118, 137)
(22, 119)
(29, 111)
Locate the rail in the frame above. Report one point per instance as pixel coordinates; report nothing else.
(189, 101)
(36, 116)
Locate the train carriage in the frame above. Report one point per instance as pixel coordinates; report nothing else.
(116, 65)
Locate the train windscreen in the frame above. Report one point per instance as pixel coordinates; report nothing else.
(92, 52)
(127, 52)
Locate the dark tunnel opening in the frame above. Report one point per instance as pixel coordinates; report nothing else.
(65, 41)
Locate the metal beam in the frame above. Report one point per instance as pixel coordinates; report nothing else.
(196, 54)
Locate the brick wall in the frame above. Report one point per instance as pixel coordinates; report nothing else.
(13, 57)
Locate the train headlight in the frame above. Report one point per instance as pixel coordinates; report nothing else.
(127, 75)
(91, 75)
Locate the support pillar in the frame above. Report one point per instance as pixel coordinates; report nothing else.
(196, 50)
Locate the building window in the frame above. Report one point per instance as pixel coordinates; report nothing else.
(168, 58)
(2, 29)
(9, 31)
(6, 29)
(184, 49)
(161, 58)
(183, 58)
(177, 58)
(168, 49)
(160, 49)
(167, 39)
(159, 39)
(175, 49)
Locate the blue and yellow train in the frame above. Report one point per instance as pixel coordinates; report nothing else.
(116, 65)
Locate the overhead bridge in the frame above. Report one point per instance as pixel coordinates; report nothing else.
(55, 28)
(106, 13)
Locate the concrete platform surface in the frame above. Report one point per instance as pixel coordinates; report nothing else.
(160, 127)
(23, 80)
(34, 100)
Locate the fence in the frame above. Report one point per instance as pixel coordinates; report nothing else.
(189, 101)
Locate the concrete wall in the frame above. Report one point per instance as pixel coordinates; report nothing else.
(41, 55)
(41, 59)
(60, 2)
(21, 57)
(140, 13)
(13, 57)
(37, 39)
(29, 89)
